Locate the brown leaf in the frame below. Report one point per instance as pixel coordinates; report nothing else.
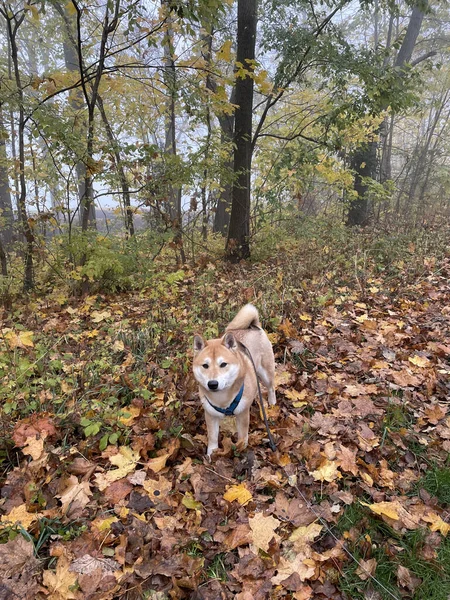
(263, 530)
(406, 579)
(18, 570)
(366, 568)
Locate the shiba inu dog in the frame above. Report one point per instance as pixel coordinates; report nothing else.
(226, 377)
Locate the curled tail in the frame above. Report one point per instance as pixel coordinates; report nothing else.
(246, 318)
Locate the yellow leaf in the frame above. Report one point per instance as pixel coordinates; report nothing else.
(118, 346)
(305, 317)
(190, 502)
(303, 535)
(294, 395)
(98, 316)
(131, 412)
(105, 524)
(34, 447)
(224, 52)
(419, 361)
(19, 514)
(61, 584)
(22, 339)
(125, 460)
(304, 568)
(437, 524)
(239, 493)
(158, 463)
(389, 509)
(328, 471)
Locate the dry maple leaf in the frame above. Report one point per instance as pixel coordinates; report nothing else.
(263, 530)
(87, 564)
(238, 492)
(23, 339)
(157, 490)
(347, 460)
(406, 579)
(74, 492)
(328, 471)
(437, 524)
(125, 460)
(18, 569)
(157, 464)
(61, 584)
(434, 413)
(366, 568)
(304, 567)
(34, 447)
(19, 514)
(304, 535)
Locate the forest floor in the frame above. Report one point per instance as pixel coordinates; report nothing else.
(105, 490)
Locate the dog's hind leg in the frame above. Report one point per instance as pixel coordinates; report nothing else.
(267, 376)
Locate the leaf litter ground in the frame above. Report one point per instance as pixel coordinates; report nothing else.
(105, 491)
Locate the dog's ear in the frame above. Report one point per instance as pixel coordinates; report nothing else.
(199, 344)
(229, 341)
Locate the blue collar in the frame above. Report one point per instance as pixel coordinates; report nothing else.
(230, 409)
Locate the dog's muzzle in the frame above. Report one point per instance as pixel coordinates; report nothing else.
(213, 384)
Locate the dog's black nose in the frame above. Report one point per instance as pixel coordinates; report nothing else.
(213, 384)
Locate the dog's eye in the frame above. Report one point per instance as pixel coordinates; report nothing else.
(223, 365)
(205, 366)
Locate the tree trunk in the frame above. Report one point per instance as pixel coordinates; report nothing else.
(365, 157)
(13, 24)
(170, 145)
(6, 209)
(364, 163)
(129, 225)
(77, 103)
(238, 242)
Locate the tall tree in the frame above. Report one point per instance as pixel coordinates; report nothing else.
(238, 241)
(13, 21)
(6, 209)
(170, 146)
(364, 160)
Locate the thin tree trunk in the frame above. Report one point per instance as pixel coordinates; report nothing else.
(238, 241)
(129, 224)
(6, 209)
(170, 145)
(13, 24)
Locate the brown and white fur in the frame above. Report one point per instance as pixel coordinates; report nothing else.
(221, 366)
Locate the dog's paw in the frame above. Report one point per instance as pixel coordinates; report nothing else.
(272, 399)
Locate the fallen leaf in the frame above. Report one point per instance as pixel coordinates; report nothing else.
(19, 514)
(305, 569)
(366, 568)
(238, 492)
(328, 471)
(263, 530)
(61, 583)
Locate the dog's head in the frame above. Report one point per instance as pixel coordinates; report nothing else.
(217, 363)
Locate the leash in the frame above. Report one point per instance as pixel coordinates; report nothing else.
(272, 444)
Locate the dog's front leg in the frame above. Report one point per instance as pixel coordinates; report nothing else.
(242, 423)
(212, 425)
